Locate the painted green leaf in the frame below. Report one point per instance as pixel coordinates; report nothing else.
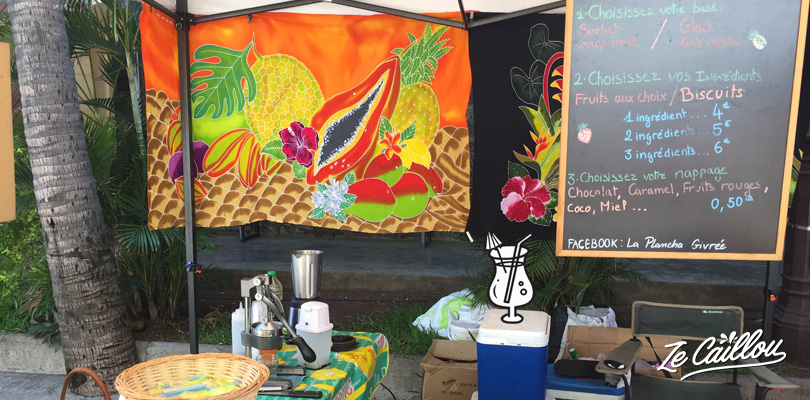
(528, 88)
(348, 200)
(317, 213)
(552, 178)
(528, 161)
(516, 169)
(541, 47)
(408, 133)
(321, 187)
(349, 179)
(340, 216)
(299, 171)
(273, 149)
(220, 85)
(385, 126)
(540, 122)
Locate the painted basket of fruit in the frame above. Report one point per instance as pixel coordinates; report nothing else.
(210, 376)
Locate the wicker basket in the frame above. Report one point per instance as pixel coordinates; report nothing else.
(135, 381)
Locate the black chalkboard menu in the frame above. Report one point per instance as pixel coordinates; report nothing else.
(677, 127)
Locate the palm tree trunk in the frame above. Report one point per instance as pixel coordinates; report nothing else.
(93, 323)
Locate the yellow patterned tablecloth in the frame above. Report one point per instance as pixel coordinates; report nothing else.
(350, 375)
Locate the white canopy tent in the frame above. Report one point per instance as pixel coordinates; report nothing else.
(191, 12)
(210, 7)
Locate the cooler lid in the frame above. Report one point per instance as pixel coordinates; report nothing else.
(531, 332)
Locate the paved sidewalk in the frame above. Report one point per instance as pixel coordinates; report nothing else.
(19, 386)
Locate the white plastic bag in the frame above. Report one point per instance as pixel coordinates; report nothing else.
(458, 303)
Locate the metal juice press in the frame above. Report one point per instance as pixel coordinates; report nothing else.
(267, 335)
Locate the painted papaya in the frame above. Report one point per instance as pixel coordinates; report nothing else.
(411, 193)
(348, 123)
(431, 177)
(375, 200)
(389, 170)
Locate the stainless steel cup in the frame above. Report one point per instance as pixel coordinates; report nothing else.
(306, 273)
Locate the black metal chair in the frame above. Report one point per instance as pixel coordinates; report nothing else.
(689, 323)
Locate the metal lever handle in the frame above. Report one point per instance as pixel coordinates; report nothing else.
(306, 351)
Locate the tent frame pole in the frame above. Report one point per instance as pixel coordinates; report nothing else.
(399, 13)
(503, 17)
(192, 268)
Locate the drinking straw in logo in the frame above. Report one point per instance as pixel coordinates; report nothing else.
(513, 272)
(517, 248)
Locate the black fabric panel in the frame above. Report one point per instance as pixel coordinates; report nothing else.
(500, 126)
(707, 322)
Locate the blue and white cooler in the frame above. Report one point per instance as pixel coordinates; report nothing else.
(512, 358)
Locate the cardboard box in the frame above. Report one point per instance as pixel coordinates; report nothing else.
(589, 341)
(450, 370)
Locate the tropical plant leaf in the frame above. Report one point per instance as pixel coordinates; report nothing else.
(349, 179)
(299, 171)
(547, 158)
(528, 161)
(539, 120)
(517, 170)
(348, 200)
(528, 88)
(385, 127)
(220, 85)
(317, 213)
(273, 149)
(553, 176)
(541, 47)
(408, 133)
(339, 215)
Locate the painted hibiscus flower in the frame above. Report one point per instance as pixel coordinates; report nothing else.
(299, 142)
(524, 197)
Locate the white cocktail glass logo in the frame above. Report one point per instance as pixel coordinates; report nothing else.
(722, 350)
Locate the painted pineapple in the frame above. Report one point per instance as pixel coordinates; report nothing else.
(417, 103)
(757, 39)
(286, 91)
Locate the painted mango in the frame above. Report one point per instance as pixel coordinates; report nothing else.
(375, 200)
(348, 123)
(431, 177)
(389, 170)
(411, 193)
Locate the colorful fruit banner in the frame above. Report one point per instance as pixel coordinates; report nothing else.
(338, 121)
(517, 86)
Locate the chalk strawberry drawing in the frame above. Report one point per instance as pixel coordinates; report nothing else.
(584, 135)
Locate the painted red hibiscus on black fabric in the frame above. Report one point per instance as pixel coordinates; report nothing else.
(299, 142)
(524, 197)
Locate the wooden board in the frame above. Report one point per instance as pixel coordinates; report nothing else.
(691, 110)
(7, 200)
